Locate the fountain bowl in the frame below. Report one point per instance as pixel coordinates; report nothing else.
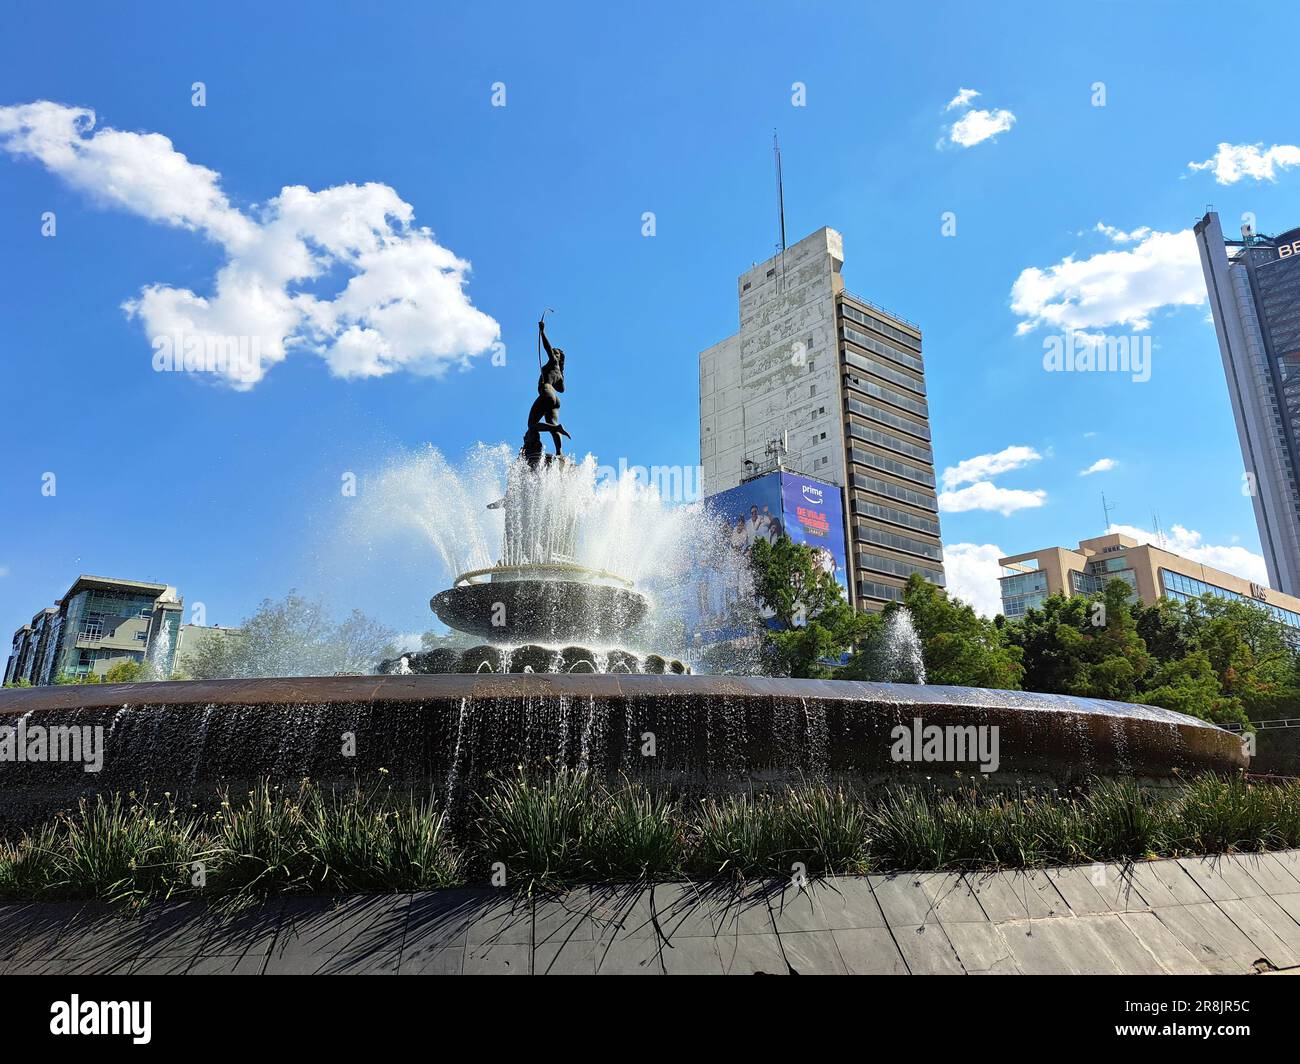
(452, 734)
(541, 604)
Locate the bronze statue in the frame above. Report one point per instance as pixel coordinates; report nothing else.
(543, 415)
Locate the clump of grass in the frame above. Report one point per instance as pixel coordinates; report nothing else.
(1120, 821)
(635, 835)
(121, 851)
(833, 829)
(1218, 815)
(537, 828)
(259, 844)
(29, 866)
(422, 855)
(363, 842)
(741, 835)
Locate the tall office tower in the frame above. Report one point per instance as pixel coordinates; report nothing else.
(1254, 289)
(820, 382)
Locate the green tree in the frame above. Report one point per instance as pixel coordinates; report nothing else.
(77, 678)
(128, 671)
(1083, 646)
(958, 646)
(1189, 685)
(815, 624)
(293, 637)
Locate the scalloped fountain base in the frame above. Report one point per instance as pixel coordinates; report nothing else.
(696, 733)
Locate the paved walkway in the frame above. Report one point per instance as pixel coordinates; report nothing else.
(1238, 914)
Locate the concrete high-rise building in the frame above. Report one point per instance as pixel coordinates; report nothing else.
(1254, 290)
(1151, 571)
(820, 381)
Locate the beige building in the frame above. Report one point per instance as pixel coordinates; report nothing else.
(821, 381)
(1152, 572)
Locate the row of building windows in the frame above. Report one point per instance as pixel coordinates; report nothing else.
(1182, 587)
(1023, 591)
(889, 395)
(873, 589)
(885, 439)
(897, 376)
(894, 491)
(903, 358)
(898, 517)
(879, 564)
(904, 543)
(892, 465)
(1016, 606)
(881, 327)
(887, 417)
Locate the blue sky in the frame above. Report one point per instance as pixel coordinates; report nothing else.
(232, 493)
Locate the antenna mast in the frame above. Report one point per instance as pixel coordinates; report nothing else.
(1106, 508)
(780, 199)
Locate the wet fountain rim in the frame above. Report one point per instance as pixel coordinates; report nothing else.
(300, 690)
(533, 570)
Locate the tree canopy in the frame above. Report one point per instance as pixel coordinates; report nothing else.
(293, 637)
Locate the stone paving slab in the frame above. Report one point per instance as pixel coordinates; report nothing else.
(1230, 914)
(1084, 889)
(1158, 940)
(1125, 948)
(1165, 883)
(1016, 895)
(981, 949)
(1220, 879)
(903, 898)
(927, 949)
(1266, 870)
(1257, 919)
(1211, 937)
(870, 951)
(838, 904)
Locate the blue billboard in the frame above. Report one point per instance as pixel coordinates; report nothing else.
(778, 504)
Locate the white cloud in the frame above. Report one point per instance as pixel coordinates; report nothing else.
(962, 99)
(4, 571)
(976, 125)
(1101, 465)
(1121, 237)
(1233, 162)
(402, 301)
(972, 572)
(985, 495)
(1190, 544)
(1112, 287)
(983, 466)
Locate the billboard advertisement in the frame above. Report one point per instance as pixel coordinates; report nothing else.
(779, 504)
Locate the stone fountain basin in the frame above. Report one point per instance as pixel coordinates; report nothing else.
(541, 611)
(450, 733)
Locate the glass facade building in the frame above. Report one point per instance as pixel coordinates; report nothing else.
(1183, 588)
(1254, 291)
(1021, 592)
(98, 623)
